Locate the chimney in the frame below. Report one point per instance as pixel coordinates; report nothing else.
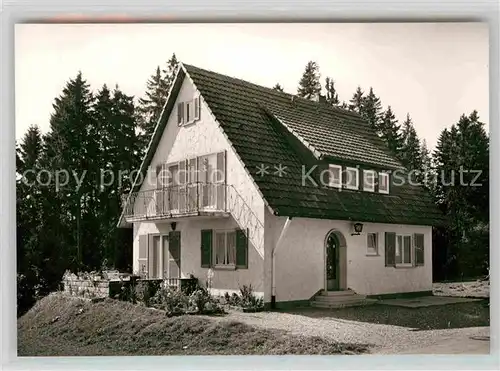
(319, 98)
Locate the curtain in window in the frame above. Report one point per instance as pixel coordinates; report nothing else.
(220, 248)
(231, 248)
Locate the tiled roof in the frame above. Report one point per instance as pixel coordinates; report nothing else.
(244, 111)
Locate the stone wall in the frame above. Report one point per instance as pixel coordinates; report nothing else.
(86, 285)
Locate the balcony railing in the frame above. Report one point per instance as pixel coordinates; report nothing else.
(172, 201)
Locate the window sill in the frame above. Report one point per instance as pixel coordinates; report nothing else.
(372, 254)
(404, 266)
(225, 267)
(189, 123)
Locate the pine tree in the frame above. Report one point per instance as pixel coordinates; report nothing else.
(309, 85)
(73, 146)
(410, 151)
(465, 146)
(331, 94)
(427, 170)
(278, 87)
(371, 110)
(389, 131)
(356, 102)
(151, 106)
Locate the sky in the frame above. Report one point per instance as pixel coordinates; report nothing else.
(433, 71)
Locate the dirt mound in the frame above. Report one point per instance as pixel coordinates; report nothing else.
(59, 325)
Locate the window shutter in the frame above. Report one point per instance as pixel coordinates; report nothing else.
(390, 249)
(206, 248)
(221, 167)
(197, 108)
(418, 241)
(182, 172)
(241, 248)
(180, 113)
(143, 253)
(151, 254)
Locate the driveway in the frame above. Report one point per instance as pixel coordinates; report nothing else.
(384, 339)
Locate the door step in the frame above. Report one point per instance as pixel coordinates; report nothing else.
(340, 299)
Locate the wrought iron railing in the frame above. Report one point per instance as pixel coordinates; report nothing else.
(193, 198)
(177, 200)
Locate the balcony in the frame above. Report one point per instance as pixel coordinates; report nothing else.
(192, 199)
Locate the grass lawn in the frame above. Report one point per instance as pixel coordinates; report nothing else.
(461, 315)
(63, 326)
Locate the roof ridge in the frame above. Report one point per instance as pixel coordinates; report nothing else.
(277, 92)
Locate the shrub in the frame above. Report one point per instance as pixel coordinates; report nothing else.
(248, 298)
(188, 287)
(203, 302)
(145, 290)
(173, 301)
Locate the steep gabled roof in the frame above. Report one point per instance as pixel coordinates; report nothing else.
(248, 113)
(243, 110)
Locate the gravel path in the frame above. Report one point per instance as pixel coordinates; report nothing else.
(384, 339)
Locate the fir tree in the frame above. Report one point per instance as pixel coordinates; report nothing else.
(309, 85)
(278, 87)
(410, 150)
(356, 102)
(331, 94)
(151, 106)
(371, 110)
(389, 131)
(462, 153)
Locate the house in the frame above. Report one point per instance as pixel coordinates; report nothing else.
(245, 185)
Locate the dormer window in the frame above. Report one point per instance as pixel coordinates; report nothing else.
(351, 178)
(369, 177)
(383, 183)
(335, 179)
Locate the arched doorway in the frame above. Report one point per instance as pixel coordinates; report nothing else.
(335, 257)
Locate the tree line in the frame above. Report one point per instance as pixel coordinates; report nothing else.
(72, 224)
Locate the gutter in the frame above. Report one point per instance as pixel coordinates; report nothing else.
(273, 260)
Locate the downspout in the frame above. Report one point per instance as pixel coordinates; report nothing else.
(273, 260)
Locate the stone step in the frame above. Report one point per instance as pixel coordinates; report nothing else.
(339, 299)
(337, 293)
(331, 305)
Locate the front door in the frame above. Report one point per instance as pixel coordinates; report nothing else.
(332, 262)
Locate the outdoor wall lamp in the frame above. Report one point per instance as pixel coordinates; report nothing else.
(173, 225)
(358, 228)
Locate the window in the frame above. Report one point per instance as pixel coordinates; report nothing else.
(369, 180)
(383, 183)
(372, 244)
(180, 113)
(188, 111)
(351, 178)
(335, 176)
(225, 248)
(159, 255)
(403, 250)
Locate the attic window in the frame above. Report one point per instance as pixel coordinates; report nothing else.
(369, 177)
(351, 178)
(188, 111)
(383, 183)
(335, 172)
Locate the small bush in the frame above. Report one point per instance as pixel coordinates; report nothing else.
(204, 302)
(249, 299)
(145, 290)
(172, 301)
(188, 287)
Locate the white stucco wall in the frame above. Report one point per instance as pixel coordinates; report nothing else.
(300, 260)
(201, 138)
(223, 280)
